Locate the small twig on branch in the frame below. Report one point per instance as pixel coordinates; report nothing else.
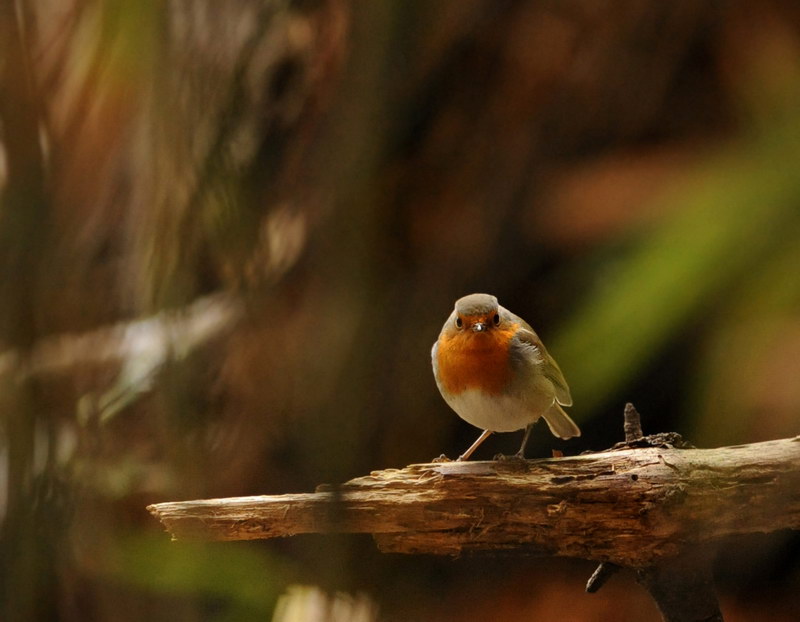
(633, 424)
(602, 573)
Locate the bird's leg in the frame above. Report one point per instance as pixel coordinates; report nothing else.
(465, 456)
(521, 453)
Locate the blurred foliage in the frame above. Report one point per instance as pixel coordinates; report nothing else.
(230, 233)
(733, 219)
(233, 582)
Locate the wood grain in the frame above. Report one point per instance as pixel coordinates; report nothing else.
(631, 507)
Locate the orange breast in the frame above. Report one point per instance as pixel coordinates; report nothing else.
(468, 360)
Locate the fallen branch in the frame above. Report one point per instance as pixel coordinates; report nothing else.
(650, 503)
(631, 507)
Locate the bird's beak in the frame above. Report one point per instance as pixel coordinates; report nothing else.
(479, 327)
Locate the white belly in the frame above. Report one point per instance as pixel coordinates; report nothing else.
(498, 413)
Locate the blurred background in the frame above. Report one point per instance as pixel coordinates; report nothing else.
(230, 233)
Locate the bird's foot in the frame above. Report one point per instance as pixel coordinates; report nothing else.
(442, 458)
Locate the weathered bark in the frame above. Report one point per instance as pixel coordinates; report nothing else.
(632, 507)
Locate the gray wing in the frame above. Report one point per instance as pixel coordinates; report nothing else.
(549, 367)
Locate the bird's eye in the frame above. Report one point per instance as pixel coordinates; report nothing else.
(496, 319)
(459, 322)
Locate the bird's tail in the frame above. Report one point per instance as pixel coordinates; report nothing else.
(560, 423)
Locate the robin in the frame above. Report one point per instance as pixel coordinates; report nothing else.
(493, 370)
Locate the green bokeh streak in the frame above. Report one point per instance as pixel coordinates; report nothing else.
(245, 580)
(722, 223)
(739, 347)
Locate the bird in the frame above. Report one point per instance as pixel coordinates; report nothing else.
(493, 370)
